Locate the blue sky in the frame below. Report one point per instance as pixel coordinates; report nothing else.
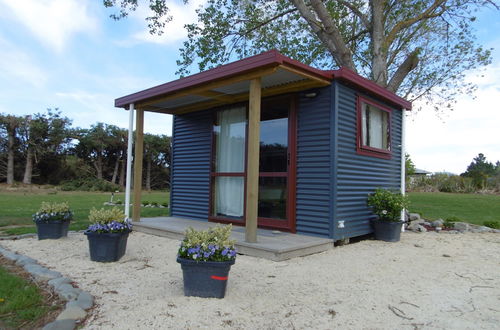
(69, 54)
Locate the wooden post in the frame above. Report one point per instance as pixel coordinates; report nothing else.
(139, 147)
(253, 161)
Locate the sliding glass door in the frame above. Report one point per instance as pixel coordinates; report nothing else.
(276, 174)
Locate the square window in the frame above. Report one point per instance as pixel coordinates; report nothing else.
(374, 129)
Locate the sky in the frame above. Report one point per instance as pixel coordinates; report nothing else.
(69, 54)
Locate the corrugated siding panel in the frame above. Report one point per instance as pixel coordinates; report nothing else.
(313, 201)
(359, 175)
(191, 165)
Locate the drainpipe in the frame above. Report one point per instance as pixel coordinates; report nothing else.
(403, 162)
(129, 159)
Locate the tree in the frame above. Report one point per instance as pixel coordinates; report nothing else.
(409, 166)
(480, 170)
(11, 125)
(416, 48)
(43, 134)
(156, 157)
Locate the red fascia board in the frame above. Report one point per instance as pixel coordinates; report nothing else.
(269, 58)
(369, 86)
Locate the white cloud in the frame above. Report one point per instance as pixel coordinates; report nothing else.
(174, 30)
(52, 21)
(473, 127)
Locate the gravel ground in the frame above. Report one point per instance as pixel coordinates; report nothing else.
(426, 281)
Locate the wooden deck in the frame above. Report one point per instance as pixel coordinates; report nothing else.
(271, 244)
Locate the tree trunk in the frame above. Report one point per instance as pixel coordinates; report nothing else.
(115, 170)
(98, 167)
(123, 168)
(10, 155)
(148, 174)
(379, 61)
(28, 170)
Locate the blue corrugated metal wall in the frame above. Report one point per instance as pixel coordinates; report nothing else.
(313, 164)
(358, 175)
(191, 152)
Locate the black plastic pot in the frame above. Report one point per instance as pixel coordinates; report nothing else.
(52, 229)
(107, 247)
(206, 279)
(388, 231)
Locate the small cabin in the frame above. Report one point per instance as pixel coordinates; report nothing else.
(270, 142)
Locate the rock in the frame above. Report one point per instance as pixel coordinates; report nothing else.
(426, 223)
(72, 313)
(419, 221)
(41, 273)
(85, 300)
(68, 292)
(61, 325)
(438, 229)
(446, 255)
(461, 226)
(418, 245)
(414, 226)
(414, 216)
(437, 223)
(495, 230)
(57, 282)
(10, 255)
(23, 260)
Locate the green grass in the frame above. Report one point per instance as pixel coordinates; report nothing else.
(472, 208)
(18, 207)
(21, 302)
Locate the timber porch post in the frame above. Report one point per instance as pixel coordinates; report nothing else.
(253, 161)
(139, 147)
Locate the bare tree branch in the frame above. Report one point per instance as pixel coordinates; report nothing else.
(408, 64)
(364, 19)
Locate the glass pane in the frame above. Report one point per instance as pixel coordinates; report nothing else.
(375, 123)
(228, 194)
(274, 136)
(229, 132)
(272, 197)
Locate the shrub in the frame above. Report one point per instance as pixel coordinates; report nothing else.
(89, 184)
(145, 203)
(164, 204)
(387, 205)
(212, 244)
(118, 202)
(108, 221)
(492, 224)
(155, 204)
(53, 212)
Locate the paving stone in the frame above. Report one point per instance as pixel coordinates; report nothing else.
(10, 255)
(85, 300)
(61, 325)
(23, 260)
(68, 292)
(41, 273)
(72, 313)
(57, 282)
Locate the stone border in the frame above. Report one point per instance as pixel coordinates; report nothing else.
(77, 300)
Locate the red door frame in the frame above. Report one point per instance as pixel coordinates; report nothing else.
(289, 224)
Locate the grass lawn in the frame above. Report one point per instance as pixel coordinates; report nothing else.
(18, 207)
(472, 208)
(21, 303)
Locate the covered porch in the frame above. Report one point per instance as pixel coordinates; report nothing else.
(245, 81)
(272, 244)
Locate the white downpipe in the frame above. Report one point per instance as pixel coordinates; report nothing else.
(129, 159)
(403, 162)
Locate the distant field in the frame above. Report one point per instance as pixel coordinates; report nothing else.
(472, 208)
(16, 208)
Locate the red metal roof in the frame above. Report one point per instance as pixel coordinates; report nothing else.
(264, 60)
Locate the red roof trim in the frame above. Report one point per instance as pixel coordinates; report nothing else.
(369, 86)
(269, 58)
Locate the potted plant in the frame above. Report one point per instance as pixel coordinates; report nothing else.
(52, 220)
(206, 257)
(107, 234)
(387, 205)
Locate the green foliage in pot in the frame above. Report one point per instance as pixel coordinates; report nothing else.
(108, 221)
(53, 212)
(387, 205)
(212, 244)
